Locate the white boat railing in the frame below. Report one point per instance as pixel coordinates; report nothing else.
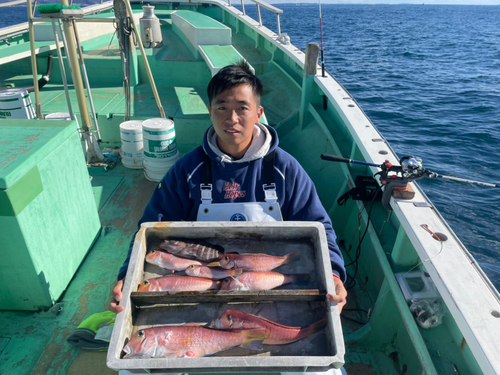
(265, 5)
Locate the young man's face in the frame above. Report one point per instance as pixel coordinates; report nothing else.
(234, 112)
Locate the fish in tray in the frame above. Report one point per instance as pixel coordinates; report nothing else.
(189, 341)
(169, 261)
(277, 334)
(260, 281)
(215, 273)
(205, 252)
(178, 284)
(255, 262)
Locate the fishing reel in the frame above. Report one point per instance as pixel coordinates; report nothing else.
(392, 176)
(398, 176)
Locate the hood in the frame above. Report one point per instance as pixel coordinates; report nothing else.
(265, 140)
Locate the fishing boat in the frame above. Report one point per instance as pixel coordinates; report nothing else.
(418, 302)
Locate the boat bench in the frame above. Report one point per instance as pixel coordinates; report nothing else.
(206, 38)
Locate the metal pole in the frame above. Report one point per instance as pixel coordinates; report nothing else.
(243, 7)
(145, 59)
(76, 73)
(38, 107)
(278, 21)
(87, 85)
(63, 71)
(258, 11)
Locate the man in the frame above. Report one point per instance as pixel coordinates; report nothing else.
(239, 173)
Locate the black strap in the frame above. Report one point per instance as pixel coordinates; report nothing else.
(206, 173)
(267, 166)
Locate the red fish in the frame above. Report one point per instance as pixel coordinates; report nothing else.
(178, 284)
(255, 262)
(260, 281)
(192, 250)
(215, 273)
(277, 334)
(171, 262)
(189, 341)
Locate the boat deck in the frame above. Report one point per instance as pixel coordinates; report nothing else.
(35, 342)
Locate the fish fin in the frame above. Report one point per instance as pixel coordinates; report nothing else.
(237, 271)
(253, 345)
(190, 354)
(214, 264)
(294, 256)
(255, 337)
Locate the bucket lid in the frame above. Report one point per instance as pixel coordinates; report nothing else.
(155, 124)
(13, 93)
(132, 125)
(58, 116)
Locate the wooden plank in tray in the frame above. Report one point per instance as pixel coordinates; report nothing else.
(156, 298)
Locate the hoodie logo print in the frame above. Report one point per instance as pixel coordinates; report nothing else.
(232, 192)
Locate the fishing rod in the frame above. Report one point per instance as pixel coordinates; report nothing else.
(410, 169)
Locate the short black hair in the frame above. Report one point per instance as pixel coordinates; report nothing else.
(232, 76)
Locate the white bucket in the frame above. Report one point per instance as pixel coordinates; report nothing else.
(131, 162)
(159, 139)
(132, 145)
(155, 169)
(16, 104)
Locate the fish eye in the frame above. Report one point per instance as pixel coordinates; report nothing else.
(229, 318)
(226, 258)
(226, 280)
(191, 266)
(146, 282)
(140, 334)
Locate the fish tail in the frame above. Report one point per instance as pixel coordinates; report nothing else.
(292, 256)
(310, 329)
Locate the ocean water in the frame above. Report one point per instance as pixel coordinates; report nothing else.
(428, 77)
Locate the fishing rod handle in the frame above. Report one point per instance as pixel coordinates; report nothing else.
(335, 158)
(347, 160)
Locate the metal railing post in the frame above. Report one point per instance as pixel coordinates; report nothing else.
(278, 21)
(260, 18)
(243, 7)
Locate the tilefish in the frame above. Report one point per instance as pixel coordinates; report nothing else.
(181, 341)
(255, 262)
(169, 261)
(178, 284)
(260, 280)
(277, 334)
(215, 273)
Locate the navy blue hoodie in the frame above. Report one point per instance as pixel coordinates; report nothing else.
(178, 196)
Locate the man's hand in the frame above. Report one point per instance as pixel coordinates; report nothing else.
(117, 297)
(341, 294)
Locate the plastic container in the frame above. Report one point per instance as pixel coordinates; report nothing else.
(132, 144)
(16, 104)
(293, 305)
(58, 116)
(160, 147)
(159, 138)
